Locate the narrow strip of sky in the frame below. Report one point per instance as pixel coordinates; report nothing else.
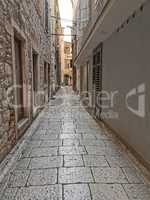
(65, 7)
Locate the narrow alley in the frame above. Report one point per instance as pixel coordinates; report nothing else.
(69, 156)
(74, 100)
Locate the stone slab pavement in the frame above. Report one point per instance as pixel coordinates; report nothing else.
(70, 157)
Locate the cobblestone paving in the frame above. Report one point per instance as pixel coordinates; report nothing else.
(70, 157)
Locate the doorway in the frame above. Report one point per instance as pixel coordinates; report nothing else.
(49, 83)
(19, 79)
(35, 77)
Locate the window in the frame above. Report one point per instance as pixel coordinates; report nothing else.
(94, 60)
(67, 50)
(98, 58)
(19, 78)
(71, 64)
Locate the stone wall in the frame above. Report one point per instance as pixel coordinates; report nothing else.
(23, 16)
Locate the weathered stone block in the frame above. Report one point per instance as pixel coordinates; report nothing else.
(6, 115)
(32, 34)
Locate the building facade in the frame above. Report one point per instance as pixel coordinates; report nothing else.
(62, 54)
(59, 52)
(67, 63)
(55, 43)
(26, 73)
(111, 45)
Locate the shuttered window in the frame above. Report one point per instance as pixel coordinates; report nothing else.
(97, 76)
(94, 63)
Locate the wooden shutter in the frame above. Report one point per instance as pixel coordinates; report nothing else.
(98, 77)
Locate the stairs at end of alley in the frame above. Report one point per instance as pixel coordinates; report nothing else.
(68, 156)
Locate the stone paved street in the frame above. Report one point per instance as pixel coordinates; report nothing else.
(71, 157)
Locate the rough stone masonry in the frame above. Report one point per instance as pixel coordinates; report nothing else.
(25, 19)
